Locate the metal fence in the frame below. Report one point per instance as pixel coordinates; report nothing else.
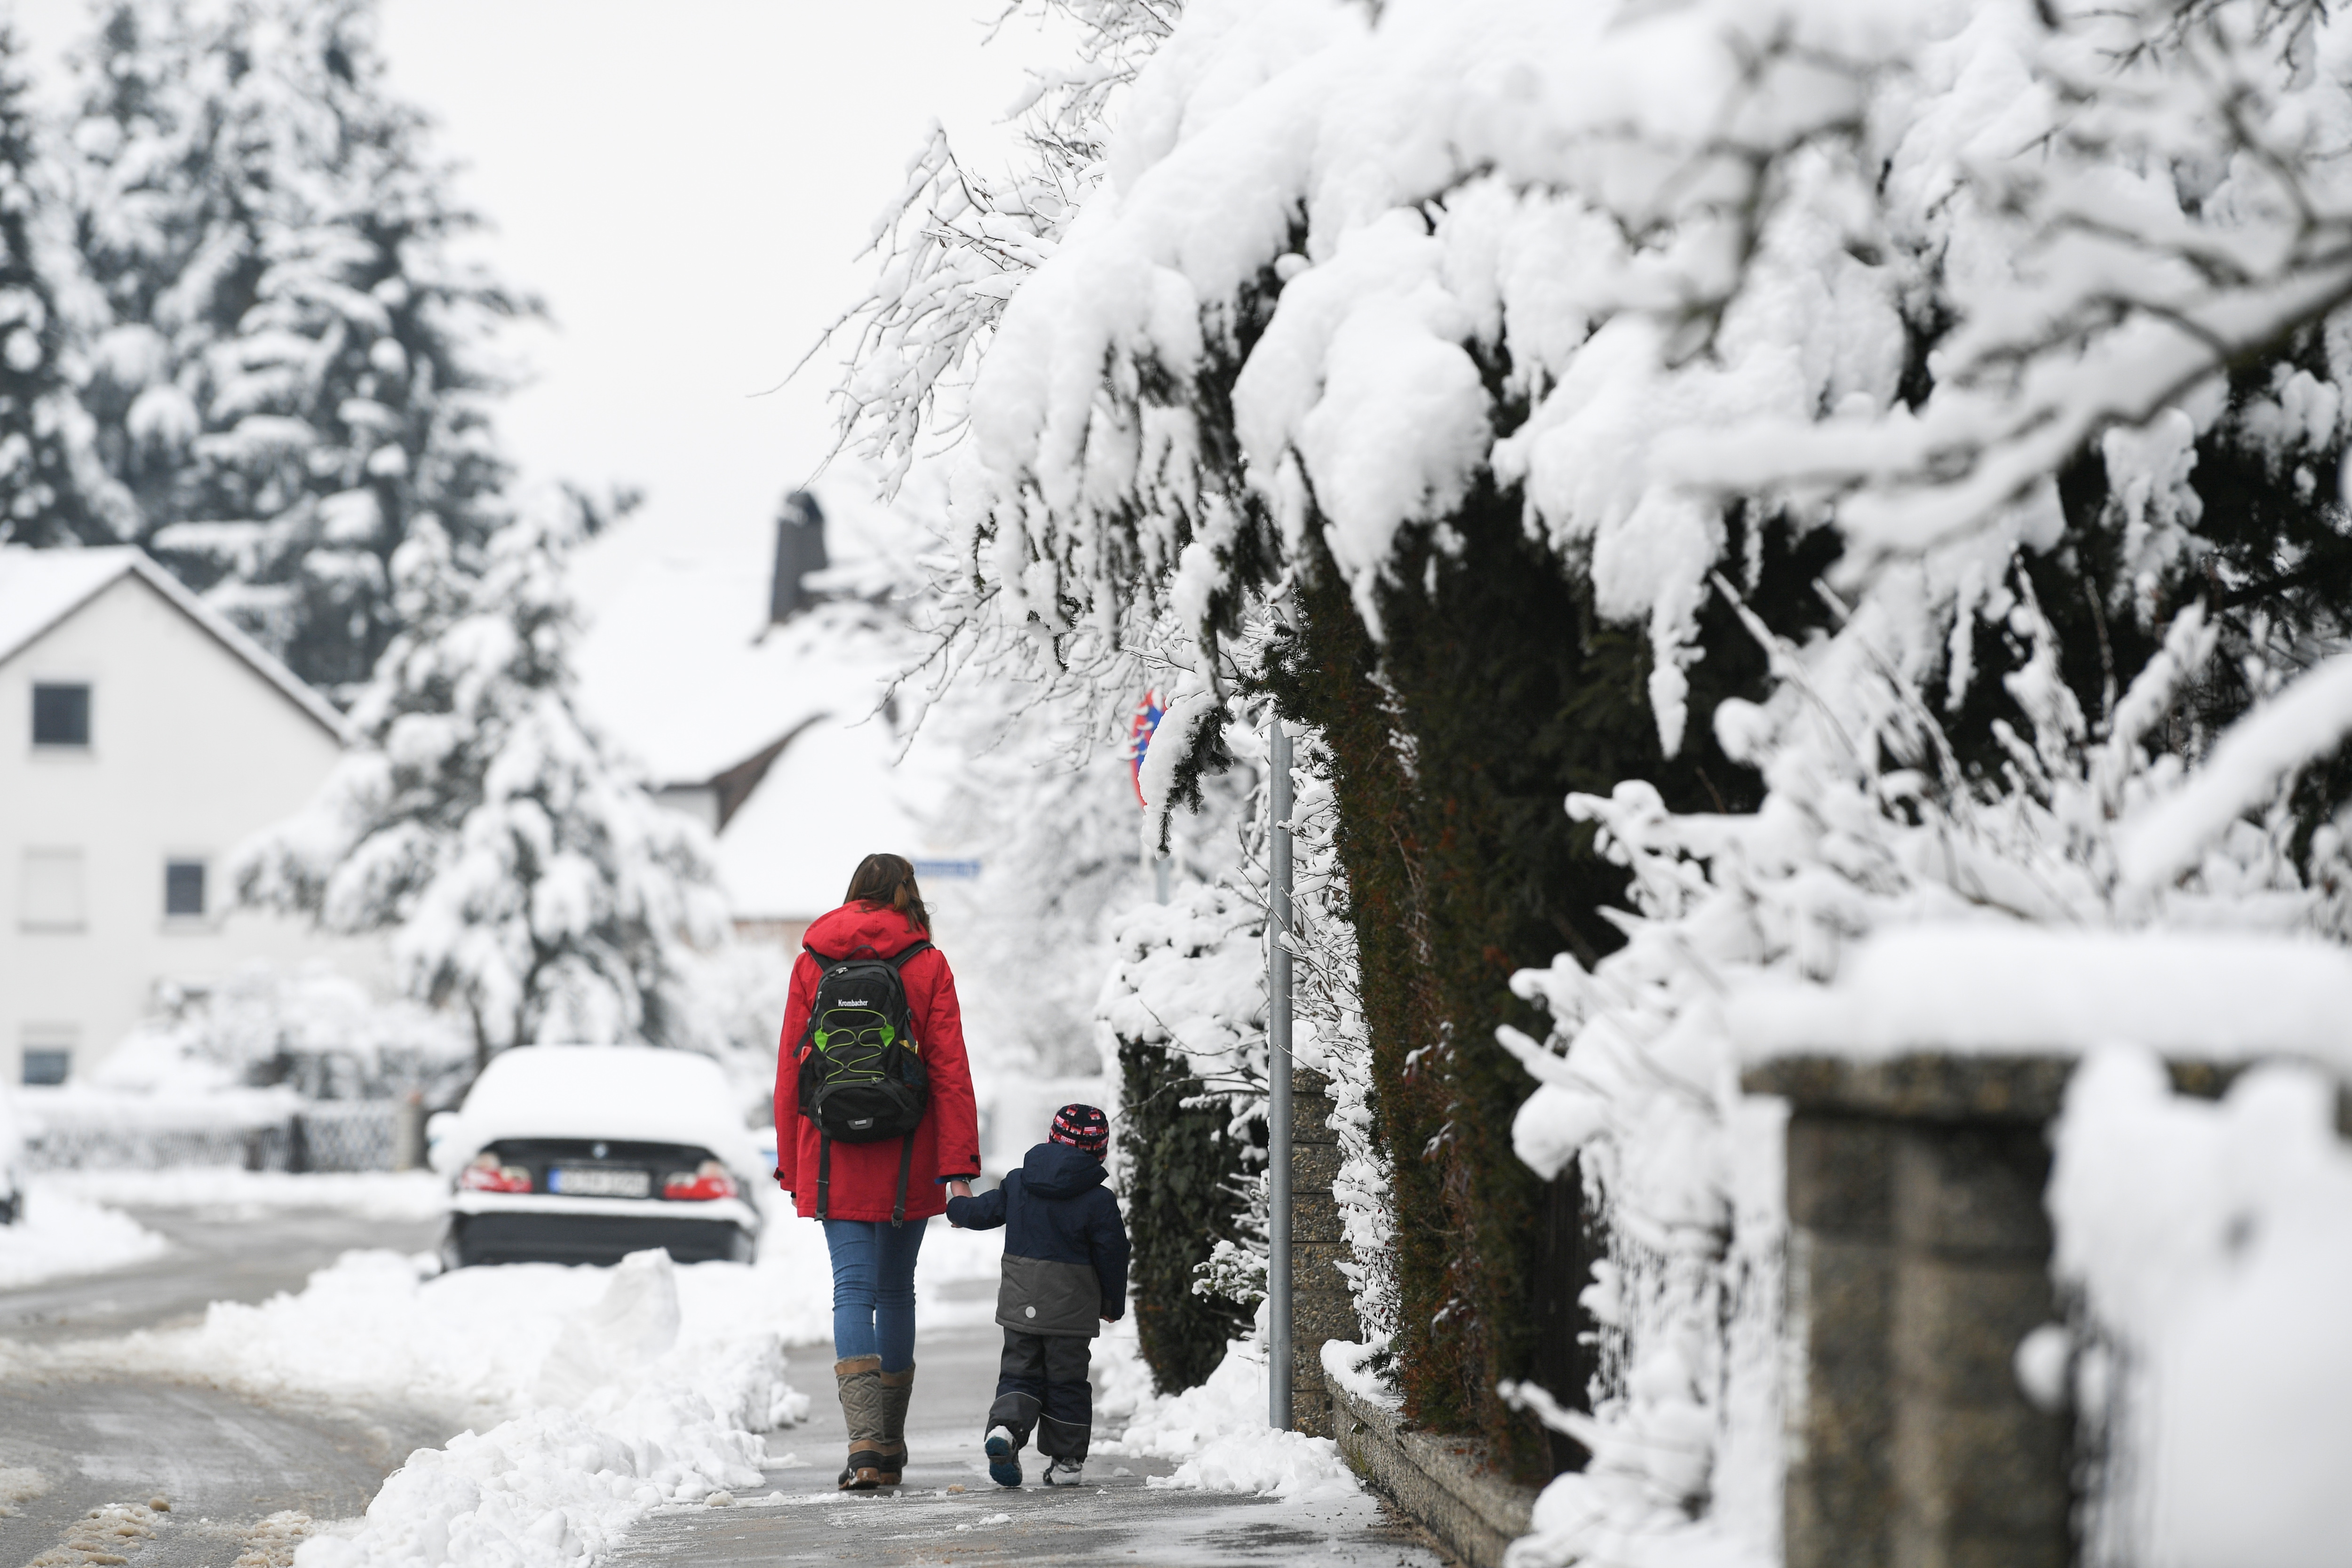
(351, 1135)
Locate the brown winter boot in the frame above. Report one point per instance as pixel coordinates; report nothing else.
(897, 1388)
(859, 1381)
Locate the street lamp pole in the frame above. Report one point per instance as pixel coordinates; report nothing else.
(1278, 1066)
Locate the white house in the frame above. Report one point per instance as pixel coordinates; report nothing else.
(749, 714)
(141, 738)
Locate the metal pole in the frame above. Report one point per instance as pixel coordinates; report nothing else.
(1277, 1112)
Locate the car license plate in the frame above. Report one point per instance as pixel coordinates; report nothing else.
(581, 1183)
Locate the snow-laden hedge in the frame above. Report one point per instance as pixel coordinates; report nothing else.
(1978, 373)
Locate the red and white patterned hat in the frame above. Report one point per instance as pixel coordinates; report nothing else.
(1082, 1127)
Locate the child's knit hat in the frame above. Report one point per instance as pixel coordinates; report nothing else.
(1082, 1127)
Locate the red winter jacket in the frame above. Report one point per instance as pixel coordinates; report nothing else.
(947, 1144)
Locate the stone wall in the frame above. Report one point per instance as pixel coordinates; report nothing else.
(1446, 1485)
(1918, 1258)
(1322, 1306)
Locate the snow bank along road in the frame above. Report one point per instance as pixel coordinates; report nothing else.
(150, 1422)
(241, 1479)
(1115, 1518)
(215, 1255)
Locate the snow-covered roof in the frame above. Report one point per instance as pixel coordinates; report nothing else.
(678, 662)
(679, 666)
(40, 588)
(634, 1093)
(2011, 989)
(836, 795)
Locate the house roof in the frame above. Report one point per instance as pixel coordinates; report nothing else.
(837, 793)
(39, 589)
(678, 662)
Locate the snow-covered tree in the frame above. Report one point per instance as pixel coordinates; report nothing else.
(527, 880)
(291, 374)
(43, 432)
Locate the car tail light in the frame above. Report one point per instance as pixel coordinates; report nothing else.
(708, 1181)
(486, 1174)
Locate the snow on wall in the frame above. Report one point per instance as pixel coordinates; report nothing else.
(2209, 1247)
(1869, 906)
(2016, 989)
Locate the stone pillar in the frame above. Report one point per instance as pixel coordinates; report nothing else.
(1322, 1306)
(1919, 1257)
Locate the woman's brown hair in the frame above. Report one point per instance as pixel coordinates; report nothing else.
(889, 879)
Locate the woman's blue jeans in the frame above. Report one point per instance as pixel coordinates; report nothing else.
(874, 1288)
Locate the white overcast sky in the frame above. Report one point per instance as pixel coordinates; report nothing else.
(687, 183)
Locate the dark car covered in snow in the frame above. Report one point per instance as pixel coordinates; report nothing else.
(586, 1153)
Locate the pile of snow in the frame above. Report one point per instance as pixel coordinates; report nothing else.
(1219, 1431)
(371, 1194)
(598, 1393)
(2211, 1245)
(475, 1346)
(481, 1346)
(637, 1403)
(60, 1234)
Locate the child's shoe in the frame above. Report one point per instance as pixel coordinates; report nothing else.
(1003, 1458)
(1064, 1472)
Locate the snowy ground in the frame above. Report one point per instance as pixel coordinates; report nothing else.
(62, 1235)
(73, 1224)
(583, 1397)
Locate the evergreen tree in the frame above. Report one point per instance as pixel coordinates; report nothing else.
(529, 883)
(291, 380)
(42, 500)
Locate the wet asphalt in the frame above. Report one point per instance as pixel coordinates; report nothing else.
(75, 1441)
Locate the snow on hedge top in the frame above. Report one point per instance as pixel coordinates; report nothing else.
(634, 1092)
(1642, 262)
(2001, 989)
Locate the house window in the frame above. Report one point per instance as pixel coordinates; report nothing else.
(60, 714)
(49, 890)
(48, 1055)
(183, 887)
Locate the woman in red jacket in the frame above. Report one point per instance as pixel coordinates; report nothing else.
(872, 1254)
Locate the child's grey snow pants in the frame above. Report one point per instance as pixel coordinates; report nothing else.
(1042, 1383)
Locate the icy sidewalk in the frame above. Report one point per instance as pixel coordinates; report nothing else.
(1128, 1513)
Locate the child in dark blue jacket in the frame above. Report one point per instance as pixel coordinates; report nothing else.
(1064, 1265)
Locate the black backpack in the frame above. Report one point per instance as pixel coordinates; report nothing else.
(862, 1076)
